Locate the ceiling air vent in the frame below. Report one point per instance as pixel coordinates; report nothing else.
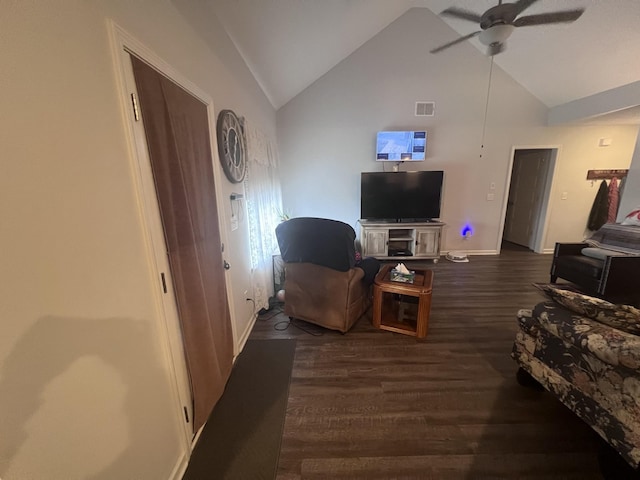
(425, 109)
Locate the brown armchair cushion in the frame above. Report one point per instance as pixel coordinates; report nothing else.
(324, 296)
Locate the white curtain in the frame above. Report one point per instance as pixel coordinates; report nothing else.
(264, 204)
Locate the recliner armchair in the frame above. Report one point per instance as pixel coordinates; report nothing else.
(322, 283)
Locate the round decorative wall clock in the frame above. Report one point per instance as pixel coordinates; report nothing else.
(231, 146)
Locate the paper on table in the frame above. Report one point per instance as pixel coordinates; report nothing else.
(400, 268)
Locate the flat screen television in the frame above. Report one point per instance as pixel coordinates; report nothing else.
(401, 196)
(397, 146)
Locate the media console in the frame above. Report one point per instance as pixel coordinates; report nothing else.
(401, 241)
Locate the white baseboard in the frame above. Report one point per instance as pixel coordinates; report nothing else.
(473, 252)
(546, 251)
(245, 335)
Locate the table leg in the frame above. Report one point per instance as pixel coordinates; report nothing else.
(424, 309)
(377, 306)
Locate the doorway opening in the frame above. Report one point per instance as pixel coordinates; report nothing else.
(525, 216)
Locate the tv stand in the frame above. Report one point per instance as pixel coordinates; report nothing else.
(401, 241)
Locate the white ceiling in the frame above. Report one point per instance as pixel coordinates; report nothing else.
(288, 44)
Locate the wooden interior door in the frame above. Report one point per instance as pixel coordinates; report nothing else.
(525, 196)
(177, 132)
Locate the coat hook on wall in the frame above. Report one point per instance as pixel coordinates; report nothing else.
(608, 174)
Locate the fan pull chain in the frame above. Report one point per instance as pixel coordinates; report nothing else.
(486, 107)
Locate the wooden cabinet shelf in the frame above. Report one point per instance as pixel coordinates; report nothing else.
(400, 239)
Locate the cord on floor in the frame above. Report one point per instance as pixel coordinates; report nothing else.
(265, 314)
(278, 326)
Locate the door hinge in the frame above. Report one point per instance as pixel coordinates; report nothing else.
(164, 283)
(186, 414)
(134, 104)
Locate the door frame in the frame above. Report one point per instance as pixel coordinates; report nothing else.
(124, 44)
(542, 225)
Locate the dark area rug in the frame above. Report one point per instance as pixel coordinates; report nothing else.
(241, 439)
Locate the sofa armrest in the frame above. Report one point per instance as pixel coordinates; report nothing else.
(569, 248)
(610, 345)
(620, 275)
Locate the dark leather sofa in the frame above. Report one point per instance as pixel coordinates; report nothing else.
(608, 266)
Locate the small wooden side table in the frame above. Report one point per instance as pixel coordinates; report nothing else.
(392, 302)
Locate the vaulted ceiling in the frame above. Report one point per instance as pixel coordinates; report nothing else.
(288, 44)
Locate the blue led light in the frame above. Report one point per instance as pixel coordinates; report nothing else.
(467, 231)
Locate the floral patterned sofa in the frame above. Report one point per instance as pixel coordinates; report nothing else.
(586, 352)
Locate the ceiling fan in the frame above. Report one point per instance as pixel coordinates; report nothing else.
(497, 23)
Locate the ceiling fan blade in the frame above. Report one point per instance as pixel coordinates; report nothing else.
(495, 48)
(551, 17)
(456, 41)
(521, 5)
(463, 14)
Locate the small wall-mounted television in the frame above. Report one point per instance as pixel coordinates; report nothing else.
(397, 146)
(401, 196)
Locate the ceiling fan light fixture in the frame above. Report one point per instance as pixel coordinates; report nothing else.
(495, 34)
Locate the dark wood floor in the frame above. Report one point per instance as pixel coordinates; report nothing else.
(373, 404)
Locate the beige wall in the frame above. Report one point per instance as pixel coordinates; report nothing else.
(327, 135)
(631, 197)
(580, 152)
(85, 384)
